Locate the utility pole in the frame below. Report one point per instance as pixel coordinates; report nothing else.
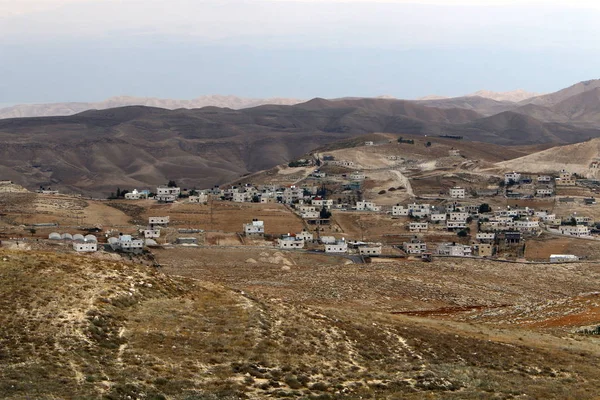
(210, 205)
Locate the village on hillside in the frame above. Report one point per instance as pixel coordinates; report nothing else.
(332, 207)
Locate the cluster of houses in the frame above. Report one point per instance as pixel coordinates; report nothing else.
(297, 241)
(500, 228)
(494, 227)
(540, 186)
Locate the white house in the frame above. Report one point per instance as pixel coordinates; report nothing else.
(254, 228)
(451, 249)
(458, 216)
(342, 163)
(150, 233)
(416, 227)
(544, 179)
(527, 225)
(367, 206)
(368, 143)
(132, 245)
(577, 230)
(369, 250)
(436, 217)
(167, 194)
(551, 219)
(319, 202)
(456, 224)
(305, 235)
(357, 176)
(339, 247)
(512, 177)
(563, 258)
(127, 244)
(454, 153)
(457, 192)
(164, 221)
(239, 197)
(85, 246)
(290, 243)
(310, 214)
(135, 195)
(414, 247)
(399, 210)
(485, 236)
(581, 219)
(200, 198)
(544, 192)
(417, 210)
(292, 194)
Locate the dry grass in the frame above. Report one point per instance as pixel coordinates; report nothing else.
(80, 327)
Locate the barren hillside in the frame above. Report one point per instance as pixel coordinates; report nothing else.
(552, 99)
(574, 158)
(97, 151)
(255, 330)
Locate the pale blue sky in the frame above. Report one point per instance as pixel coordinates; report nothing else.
(87, 50)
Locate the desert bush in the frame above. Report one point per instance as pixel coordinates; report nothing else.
(319, 386)
(293, 382)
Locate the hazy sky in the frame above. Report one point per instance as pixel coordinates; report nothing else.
(87, 50)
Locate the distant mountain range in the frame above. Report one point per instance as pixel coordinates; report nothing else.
(60, 109)
(139, 146)
(233, 102)
(514, 96)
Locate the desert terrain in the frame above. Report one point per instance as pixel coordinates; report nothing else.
(295, 277)
(95, 152)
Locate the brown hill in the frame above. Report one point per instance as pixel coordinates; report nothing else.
(552, 99)
(575, 158)
(482, 105)
(95, 152)
(541, 113)
(583, 107)
(61, 109)
(580, 109)
(511, 128)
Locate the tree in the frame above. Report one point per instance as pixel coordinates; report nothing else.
(573, 221)
(462, 233)
(172, 183)
(118, 193)
(484, 208)
(428, 144)
(32, 231)
(325, 214)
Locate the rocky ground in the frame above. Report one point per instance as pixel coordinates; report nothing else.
(268, 324)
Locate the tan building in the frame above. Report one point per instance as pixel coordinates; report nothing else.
(484, 249)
